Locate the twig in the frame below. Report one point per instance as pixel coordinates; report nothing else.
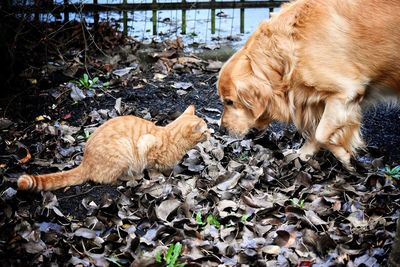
(80, 194)
(85, 41)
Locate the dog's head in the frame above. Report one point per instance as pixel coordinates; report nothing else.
(253, 84)
(246, 96)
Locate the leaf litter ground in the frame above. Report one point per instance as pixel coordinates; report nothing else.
(229, 202)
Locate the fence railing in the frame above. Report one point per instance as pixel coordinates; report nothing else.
(154, 5)
(67, 7)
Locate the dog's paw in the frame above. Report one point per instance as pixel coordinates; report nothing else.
(307, 151)
(304, 156)
(350, 168)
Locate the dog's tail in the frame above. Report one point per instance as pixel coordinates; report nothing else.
(52, 181)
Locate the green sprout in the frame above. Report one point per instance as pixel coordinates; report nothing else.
(86, 82)
(298, 202)
(393, 173)
(172, 255)
(210, 219)
(87, 133)
(198, 219)
(106, 85)
(244, 156)
(158, 256)
(244, 218)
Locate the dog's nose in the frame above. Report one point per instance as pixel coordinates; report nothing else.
(253, 132)
(222, 130)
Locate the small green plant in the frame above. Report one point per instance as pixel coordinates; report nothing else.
(87, 133)
(244, 218)
(298, 202)
(244, 156)
(392, 172)
(198, 219)
(210, 219)
(158, 256)
(106, 85)
(172, 255)
(86, 82)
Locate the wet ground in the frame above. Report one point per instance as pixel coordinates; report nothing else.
(381, 129)
(160, 101)
(381, 125)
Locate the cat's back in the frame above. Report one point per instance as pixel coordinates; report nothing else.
(121, 127)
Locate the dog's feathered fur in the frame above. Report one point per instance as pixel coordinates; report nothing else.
(317, 64)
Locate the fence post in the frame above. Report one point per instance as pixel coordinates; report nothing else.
(96, 17)
(241, 18)
(66, 13)
(154, 17)
(213, 17)
(125, 19)
(184, 18)
(36, 3)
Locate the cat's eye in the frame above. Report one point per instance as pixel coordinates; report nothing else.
(228, 102)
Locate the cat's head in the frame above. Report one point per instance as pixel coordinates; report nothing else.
(191, 126)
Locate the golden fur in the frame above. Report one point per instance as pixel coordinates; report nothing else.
(317, 64)
(123, 147)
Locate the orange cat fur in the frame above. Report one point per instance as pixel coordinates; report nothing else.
(123, 147)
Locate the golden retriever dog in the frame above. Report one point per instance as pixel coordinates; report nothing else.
(316, 64)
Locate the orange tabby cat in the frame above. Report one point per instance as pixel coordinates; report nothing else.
(123, 147)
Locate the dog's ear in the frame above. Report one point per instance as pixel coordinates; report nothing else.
(254, 95)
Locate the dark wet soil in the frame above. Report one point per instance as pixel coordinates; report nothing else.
(381, 128)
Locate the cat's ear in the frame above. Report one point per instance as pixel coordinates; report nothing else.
(199, 127)
(190, 110)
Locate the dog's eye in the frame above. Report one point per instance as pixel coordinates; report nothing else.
(228, 102)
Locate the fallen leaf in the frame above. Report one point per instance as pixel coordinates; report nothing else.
(166, 208)
(285, 239)
(182, 85)
(271, 249)
(123, 72)
(228, 182)
(357, 219)
(5, 123)
(76, 93)
(85, 233)
(159, 76)
(9, 193)
(117, 105)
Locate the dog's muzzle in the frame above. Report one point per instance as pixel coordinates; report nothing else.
(222, 130)
(253, 133)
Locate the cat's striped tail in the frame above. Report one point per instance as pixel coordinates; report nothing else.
(52, 181)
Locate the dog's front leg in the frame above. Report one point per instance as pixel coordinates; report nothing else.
(309, 148)
(339, 129)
